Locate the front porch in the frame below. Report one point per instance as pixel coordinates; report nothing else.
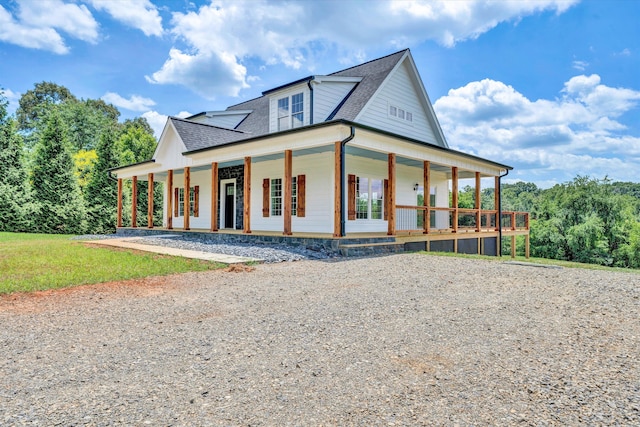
(466, 239)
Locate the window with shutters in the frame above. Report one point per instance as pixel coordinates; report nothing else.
(273, 195)
(193, 201)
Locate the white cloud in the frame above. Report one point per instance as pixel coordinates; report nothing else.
(157, 120)
(140, 14)
(221, 36)
(207, 74)
(134, 103)
(39, 23)
(580, 65)
(577, 133)
(29, 37)
(12, 97)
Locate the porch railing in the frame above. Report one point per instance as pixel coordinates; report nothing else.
(451, 220)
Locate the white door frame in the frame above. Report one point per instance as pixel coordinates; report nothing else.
(223, 199)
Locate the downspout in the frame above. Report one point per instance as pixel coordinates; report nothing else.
(311, 99)
(342, 173)
(499, 219)
(111, 176)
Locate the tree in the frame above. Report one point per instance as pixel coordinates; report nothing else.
(101, 192)
(15, 203)
(86, 120)
(60, 208)
(35, 105)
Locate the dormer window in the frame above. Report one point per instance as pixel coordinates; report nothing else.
(291, 117)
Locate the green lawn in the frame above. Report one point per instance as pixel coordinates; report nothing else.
(30, 262)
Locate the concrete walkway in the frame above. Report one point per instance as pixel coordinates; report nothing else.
(129, 243)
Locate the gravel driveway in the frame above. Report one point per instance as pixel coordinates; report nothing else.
(397, 340)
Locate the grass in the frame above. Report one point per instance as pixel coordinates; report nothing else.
(542, 261)
(32, 262)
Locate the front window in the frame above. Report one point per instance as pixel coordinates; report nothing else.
(192, 201)
(276, 197)
(283, 114)
(291, 112)
(369, 198)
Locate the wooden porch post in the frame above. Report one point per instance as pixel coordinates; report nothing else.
(478, 203)
(427, 195)
(391, 217)
(134, 201)
(454, 197)
(288, 190)
(496, 202)
(170, 199)
(150, 201)
(337, 190)
(119, 221)
(214, 196)
(513, 246)
(247, 195)
(186, 203)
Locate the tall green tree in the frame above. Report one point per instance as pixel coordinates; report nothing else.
(15, 205)
(35, 105)
(60, 207)
(101, 191)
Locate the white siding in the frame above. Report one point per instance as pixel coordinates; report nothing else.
(203, 180)
(273, 104)
(228, 121)
(318, 171)
(326, 97)
(399, 90)
(169, 152)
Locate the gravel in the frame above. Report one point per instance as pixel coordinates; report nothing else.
(400, 340)
(268, 253)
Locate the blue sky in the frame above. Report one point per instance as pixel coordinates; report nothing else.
(549, 87)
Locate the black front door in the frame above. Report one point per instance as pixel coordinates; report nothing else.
(228, 205)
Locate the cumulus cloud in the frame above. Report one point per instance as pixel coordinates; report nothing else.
(157, 120)
(39, 23)
(140, 14)
(576, 133)
(134, 103)
(221, 36)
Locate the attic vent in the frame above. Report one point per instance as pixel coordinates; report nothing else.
(400, 113)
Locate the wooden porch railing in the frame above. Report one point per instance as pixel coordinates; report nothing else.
(451, 220)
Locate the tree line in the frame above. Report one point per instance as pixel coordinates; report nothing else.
(54, 156)
(585, 220)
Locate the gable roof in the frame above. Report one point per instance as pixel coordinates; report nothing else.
(373, 73)
(196, 135)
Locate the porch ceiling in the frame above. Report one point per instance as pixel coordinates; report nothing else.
(376, 155)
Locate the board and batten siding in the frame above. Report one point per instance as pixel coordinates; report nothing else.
(273, 105)
(169, 152)
(399, 91)
(326, 97)
(227, 121)
(318, 171)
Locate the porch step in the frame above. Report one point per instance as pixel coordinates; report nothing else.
(368, 249)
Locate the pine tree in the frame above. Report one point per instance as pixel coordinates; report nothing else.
(101, 192)
(60, 208)
(14, 192)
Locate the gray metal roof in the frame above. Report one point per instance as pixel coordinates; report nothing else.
(200, 135)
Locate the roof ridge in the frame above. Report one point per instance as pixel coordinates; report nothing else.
(207, 124)
(368, 62)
